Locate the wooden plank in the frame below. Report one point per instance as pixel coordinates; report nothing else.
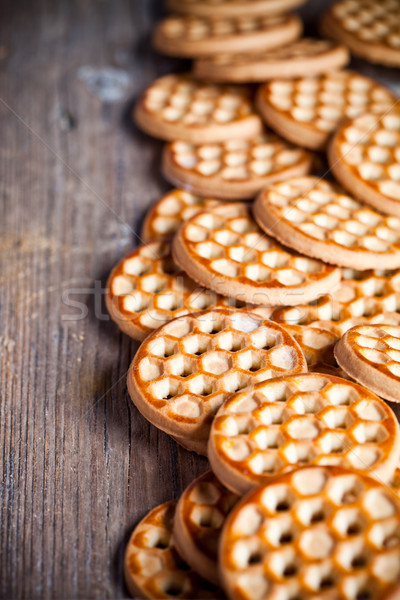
(80, 465)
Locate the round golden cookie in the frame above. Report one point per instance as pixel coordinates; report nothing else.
(199, 518)
(364, 155)
(146, 289)
(311, 418)
(165, 217)
(307, 110)
(316, 217)
(306, 55)
(361, 297)
(178, 107)
(224, 249)
(317, 533)
(154, 569)
(228, 8)
(192, 36)
(233, 170)
(370, 354)
(184, 371)
(370, 29)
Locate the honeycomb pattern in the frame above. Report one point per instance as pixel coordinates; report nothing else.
(153, 567)
(246, 165)
(395, 482)
(317, 345)
(224, 248)
(368, 149)
(316, 532)
(368, 25)
(183, 372)
(199, 519)
(147, 289)
(311, 213)
(185, 104)
(376, 349)
(361, 297)
(298, 420)
(228, 8)
(318, 104)
(194, 35)
(306, 55)
(167, 215)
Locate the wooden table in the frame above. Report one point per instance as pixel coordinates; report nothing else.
(80, 465)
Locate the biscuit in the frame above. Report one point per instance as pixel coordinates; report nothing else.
(370, 354)
(224, 249)
(364, 155)
(316, 217)
(183, 372)
(370, 29)
(307, 110)
(306, 419)
(177, 107)
(146, 289)
(154, 569)
(306, 55)
(361, 297)
(199, 517)
(233, 170)
(165, 217)
(191, 36)
(228, 8)
(323, 533)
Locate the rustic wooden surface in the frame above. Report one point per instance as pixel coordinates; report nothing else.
(80, 465)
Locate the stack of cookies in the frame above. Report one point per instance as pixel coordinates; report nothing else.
(267, 301)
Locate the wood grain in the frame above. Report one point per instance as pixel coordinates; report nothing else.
(80, 465)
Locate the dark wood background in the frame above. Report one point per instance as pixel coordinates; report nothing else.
(80, 465)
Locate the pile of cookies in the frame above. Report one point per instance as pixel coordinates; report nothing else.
(267, 302)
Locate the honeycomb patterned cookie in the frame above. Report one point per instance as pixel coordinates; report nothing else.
(361, 297)
(184, 371)
(307, 110)
(163, 220)
(364, 155)
(146, 289)
(368, 28)
(371, 355)
(306, 55)
(312, 418)
(191, 36)
(177, 107)
(236, 169)
(321, 533)
(395, 482)
(229, 8)
(315, 217)
(224, 249)
(154, 569)
(199, 518)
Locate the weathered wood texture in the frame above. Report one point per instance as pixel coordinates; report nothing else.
(80, 465)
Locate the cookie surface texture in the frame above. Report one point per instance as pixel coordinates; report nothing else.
(371, 355)
(178, 107)
(184, 371)
(364, 155)
(370, 29)
(307, 110)
(146, 289)
(318, 532)
(233, 170)
(227, 8)
(225, 249)
(153, 568)
(199, 517)
(192, 36)
(306, 55)
(317, 218)
(311, 418)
